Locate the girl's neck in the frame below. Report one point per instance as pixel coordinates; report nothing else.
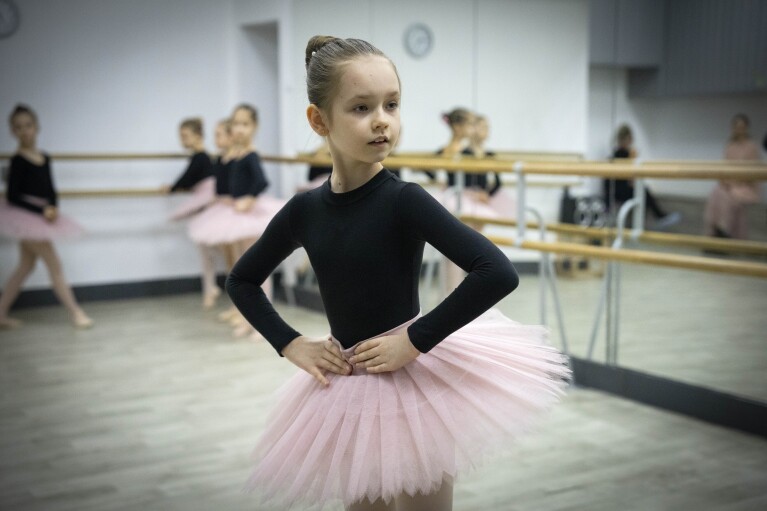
(197, 148)
(28, 148)
(348, 176)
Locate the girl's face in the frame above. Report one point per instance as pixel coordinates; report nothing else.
(189, 139)
(464, 129)
(363, 122)
(243, 127)
(223, 138)
(24, 128)
(739, 128)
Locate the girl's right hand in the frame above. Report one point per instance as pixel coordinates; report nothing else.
(315, 356)
(50, 213)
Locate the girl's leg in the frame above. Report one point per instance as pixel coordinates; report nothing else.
(210, 291)
(27, 259)
(378, 505)
(45, 250)
(441, 500)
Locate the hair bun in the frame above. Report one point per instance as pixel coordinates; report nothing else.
(315, 44)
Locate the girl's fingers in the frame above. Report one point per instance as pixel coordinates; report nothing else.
(314, 371)
(380, 368)
(365, 355)
(367, 345)
(335, 364)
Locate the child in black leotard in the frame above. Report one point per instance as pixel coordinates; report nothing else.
(392, 405)
(32, 217)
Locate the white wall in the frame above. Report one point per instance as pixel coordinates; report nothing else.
(523, 63)
(690, 128)
(112, 76)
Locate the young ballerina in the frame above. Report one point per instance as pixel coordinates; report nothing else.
(392, 405)
(198, 176)
(725, 213)
(241, 219)
(220, 171)
(31, 216)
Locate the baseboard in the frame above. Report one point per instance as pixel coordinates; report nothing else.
(695, 401)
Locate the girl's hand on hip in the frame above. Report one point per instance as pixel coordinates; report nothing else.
(384, 354)
(316, 356)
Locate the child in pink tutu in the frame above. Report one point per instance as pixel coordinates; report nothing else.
(243, 217)
(207, 192)
(31, 216)
(198, 176)
(393, 404)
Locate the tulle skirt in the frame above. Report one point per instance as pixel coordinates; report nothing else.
(203, 194)
(220, 223)
(19, 224)
(500, 205)
(379, 435)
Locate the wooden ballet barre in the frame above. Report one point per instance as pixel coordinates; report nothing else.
(584, 169)
(743, 268)
(108, 156)
(109, 192)
(659, 238)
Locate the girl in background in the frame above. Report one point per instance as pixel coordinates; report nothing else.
(221, 170)
(392, 405)
(618, 191)
(198, 176)
(31, 216)
(241, 219)
(725, 214)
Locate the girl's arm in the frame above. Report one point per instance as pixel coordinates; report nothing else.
(252, 270)
(198, 169)
(491, 276)
(258, 177)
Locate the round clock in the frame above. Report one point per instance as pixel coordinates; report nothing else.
(9, 18)
(418, 40)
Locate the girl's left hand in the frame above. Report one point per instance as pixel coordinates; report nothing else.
(384, 354)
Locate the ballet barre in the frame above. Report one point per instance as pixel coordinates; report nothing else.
(658, 238)
(744, 268)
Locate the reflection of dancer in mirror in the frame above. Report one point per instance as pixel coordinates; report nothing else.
(725, 214)
(392, 405)
(32, 217)
(618, 191)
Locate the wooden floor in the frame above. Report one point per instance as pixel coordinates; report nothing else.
(157, 408)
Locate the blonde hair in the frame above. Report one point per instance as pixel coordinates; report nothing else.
(324, 57)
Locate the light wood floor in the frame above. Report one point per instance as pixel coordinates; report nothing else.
(157, 408)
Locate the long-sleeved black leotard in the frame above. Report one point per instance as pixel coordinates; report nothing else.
(247, 177)
(30, 186)
(366, 248)
(199, 168)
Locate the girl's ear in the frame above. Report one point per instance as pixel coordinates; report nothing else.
(317, 120)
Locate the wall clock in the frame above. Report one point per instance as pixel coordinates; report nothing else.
(9, 18)
(419, 40)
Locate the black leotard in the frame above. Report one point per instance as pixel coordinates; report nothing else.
(366, 248)
(27, 180)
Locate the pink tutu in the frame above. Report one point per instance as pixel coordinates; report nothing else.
(220, 223)
(203, 194)
(20, 224)
(379, 435)
(500, 205)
